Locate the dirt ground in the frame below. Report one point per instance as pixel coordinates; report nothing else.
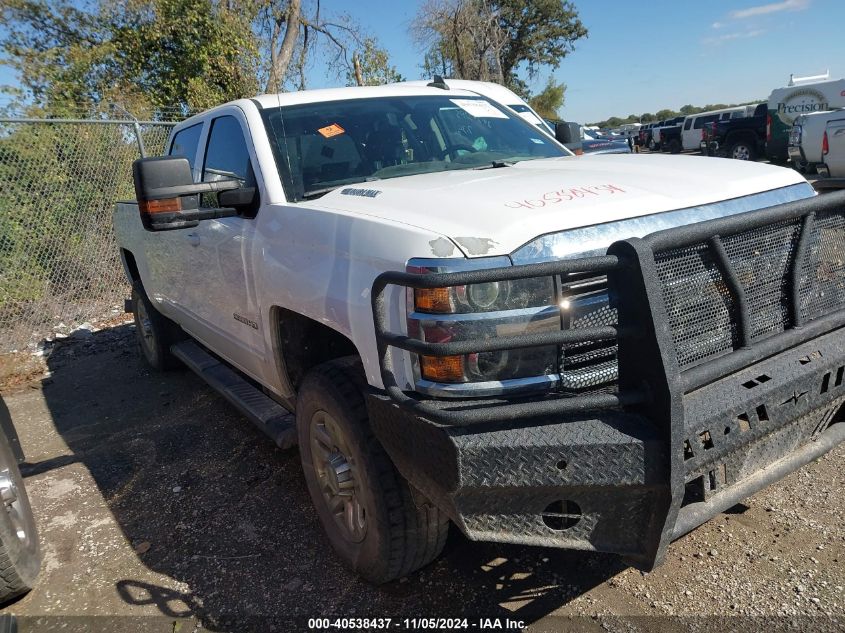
(161, 508)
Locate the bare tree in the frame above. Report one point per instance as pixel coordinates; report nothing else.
(292, 33)
(285, 19)
(463, 35)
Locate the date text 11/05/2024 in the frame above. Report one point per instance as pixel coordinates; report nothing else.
(415, 624)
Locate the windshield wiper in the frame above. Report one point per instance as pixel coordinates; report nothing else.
(495, 164)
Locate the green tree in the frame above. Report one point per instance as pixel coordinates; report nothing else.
(144, 54)
(371, 67)
(549, 100)
(689, 109)
(647, 117)
(538, 34)
(660, 115)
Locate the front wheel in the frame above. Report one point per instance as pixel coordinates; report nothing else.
(375, 521)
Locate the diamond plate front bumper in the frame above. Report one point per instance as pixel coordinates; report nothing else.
(611, 472)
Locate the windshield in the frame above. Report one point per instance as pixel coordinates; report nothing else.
(321, 146)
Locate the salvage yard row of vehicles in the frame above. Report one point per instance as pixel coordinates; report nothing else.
(789, 126)
(459, 321)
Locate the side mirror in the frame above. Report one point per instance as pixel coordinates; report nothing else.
(569, 134)
(167, 196)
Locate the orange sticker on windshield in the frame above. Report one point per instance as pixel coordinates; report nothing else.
(331, 130)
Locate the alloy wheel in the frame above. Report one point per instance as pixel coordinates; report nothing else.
(337, 476)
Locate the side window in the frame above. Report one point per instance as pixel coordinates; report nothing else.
(226, 155)
(688, 123)
(185, 143)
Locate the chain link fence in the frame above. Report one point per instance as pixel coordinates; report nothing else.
(59, 180)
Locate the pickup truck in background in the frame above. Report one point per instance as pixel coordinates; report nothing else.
(458, 321)
(832, 167)
(742, 138)
(806, 138)
(668, 137)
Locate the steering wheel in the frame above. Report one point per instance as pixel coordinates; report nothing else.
(453, 149)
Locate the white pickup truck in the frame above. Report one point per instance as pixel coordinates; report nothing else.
(806, 138)
(833, 150)
(457, 320)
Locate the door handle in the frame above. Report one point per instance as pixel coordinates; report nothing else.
(193, 239)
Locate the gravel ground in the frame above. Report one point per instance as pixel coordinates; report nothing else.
(160, 508)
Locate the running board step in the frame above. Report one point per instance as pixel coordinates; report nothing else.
(267, 414)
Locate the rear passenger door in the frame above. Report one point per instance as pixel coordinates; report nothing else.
(220, 280)
(164, 252)
(689, 138)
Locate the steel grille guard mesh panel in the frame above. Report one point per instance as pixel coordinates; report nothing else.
(701, 308)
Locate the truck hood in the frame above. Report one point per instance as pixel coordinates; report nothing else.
(495, 211)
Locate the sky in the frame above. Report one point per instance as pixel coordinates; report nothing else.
(642, 57)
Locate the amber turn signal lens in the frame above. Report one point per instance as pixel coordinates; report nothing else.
(433, 299)
(442, 368)
(168, 205)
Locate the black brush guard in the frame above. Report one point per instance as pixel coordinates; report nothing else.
(731, 362)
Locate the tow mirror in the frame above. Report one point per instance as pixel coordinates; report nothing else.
(569, 134)
(168, 198)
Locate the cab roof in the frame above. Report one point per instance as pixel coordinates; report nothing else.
(282, 99)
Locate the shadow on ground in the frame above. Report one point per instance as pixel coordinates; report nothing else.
(209, 501)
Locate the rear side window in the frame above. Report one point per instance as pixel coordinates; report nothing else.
(185, 143)
(226, 155)
(687, 124)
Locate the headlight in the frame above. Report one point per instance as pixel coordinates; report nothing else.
(484, 296)
(481, 311)
(488, 297)
(509, 308)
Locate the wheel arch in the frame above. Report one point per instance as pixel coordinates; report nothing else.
(301, 343)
